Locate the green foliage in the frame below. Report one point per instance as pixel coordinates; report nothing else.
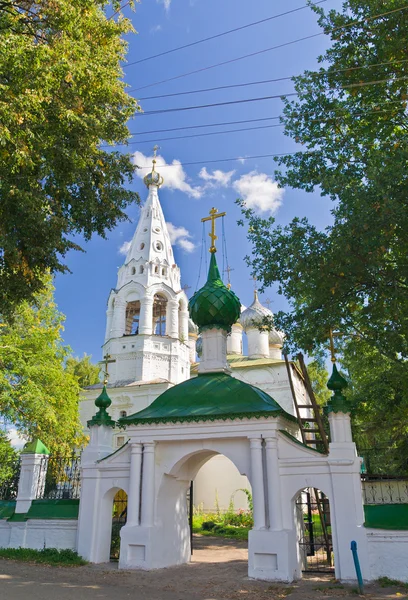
(37, 395)
(353, 276)
(62, 94)
(8, 458)
(231, 523)
(47, 556)
(85, 372)
(318, 378)
(387, 582)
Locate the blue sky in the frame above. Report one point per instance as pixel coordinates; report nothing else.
(190, 191)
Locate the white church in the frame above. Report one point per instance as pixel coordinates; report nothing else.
(153, 344)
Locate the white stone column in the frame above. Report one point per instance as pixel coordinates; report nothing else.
(214, 356)
(340, 427)
(109, 317)
(273, 483)
(133, 512)
(258, 343)
(183, 325)
(257, 483)
(234, 340)
(147, 517)
(146, 316)
(33, 470)
(118, 318)
(192, 340)
(172, 317)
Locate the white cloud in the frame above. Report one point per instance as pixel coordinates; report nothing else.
(166, 4)
(259, 192)
(124, 248)
(155, 28)
(175, 177)
(179, 236)
(16, 440)
(217, 177)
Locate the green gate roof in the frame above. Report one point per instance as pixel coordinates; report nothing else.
(208, 397)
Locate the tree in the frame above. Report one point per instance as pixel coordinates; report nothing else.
(61, 95)
(85, 372)
(319, 377)
(350, 118)
(37, 395)
(8, 459)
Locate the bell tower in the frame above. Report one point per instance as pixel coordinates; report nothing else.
(147, 316)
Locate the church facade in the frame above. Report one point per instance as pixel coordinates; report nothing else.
(151, 344)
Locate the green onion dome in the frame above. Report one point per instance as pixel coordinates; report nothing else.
(214, 305)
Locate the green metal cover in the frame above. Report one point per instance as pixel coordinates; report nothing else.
(35, 447)
(386, 516)
(206, 398)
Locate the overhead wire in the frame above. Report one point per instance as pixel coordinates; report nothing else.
(265, 81)
(260, 98)
(218, 35)
(284, 44)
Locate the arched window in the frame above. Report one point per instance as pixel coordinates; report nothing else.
(133, 271)
(141, 269)
(122, 414)
(132, 318)
(159, 314)
(156, 269)
(164, 272)
(142, 246)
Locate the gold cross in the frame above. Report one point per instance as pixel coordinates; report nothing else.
(155, 148)
(228, 271)
(268, 302)
(107, 359)
(214, 214)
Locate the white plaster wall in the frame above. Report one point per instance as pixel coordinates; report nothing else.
(219, 478)
(387, 554)
(39, 534)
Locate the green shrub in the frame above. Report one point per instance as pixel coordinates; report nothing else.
(208, 525)
(48, 556)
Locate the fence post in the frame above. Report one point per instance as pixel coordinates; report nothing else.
(33, 470)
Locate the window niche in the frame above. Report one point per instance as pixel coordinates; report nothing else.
(159, 314)
(132, 317)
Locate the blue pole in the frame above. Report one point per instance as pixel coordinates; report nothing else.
(357, 566)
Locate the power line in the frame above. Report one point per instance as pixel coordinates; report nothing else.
(196, 135)
(308, 37)
(182, 108)
(289, 78)
(218, 35)
(259, 98)
(207, 162)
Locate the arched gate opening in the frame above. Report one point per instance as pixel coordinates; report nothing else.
(314, 532)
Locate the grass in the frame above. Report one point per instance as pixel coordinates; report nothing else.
(387, 582)
(47, 556)
(225, 531)
(230, 524)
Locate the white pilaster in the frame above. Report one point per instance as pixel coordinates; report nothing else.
(109, 317)
(273, 483)
(33, 470)
(118, 318)
(133, 513)
(146, 316)
(214, 357)
(148, 495)
(192, 340)
(340, 427)
(172, 324)
(183, 325)
(257, 483)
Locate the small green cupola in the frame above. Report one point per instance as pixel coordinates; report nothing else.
(214, 305)
(338, 402)
(102, 417)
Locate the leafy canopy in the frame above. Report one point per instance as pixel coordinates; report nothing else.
(60, 97)
(85, 372)
(37, 394)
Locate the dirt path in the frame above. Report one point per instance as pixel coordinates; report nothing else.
(218, 572)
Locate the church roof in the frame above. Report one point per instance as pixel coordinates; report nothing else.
(208, 397)
(214, 305)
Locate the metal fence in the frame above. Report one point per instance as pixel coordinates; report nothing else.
(9, 482)
(384, 489)
(63, 478)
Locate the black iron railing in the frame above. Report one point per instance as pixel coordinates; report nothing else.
(63, 478)
(384, 489)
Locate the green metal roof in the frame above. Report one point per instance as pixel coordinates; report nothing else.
(208, 397)
(214, 305)
(35, 447)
